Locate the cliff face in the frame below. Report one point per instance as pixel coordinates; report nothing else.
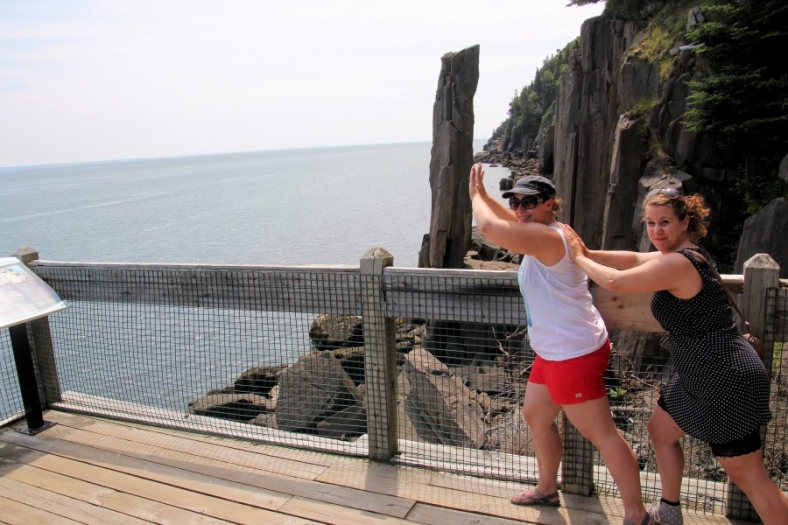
(619, 131)
(606, 156)
(591, 96)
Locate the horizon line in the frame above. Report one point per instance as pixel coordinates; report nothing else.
(179, 156)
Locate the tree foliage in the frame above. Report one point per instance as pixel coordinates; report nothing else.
(627, 9)
(744, 100)
(528, 108)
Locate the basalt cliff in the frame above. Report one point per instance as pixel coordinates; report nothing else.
(620, 128)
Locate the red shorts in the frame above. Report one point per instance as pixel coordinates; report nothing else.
(574, 380)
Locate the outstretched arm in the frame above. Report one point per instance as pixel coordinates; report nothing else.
(672, 272)
(620, 259)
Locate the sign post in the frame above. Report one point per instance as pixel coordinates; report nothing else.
(25, 297)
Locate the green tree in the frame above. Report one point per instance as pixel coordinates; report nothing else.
(528, 108)
(744, 100)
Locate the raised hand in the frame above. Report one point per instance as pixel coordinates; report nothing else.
(476, 181)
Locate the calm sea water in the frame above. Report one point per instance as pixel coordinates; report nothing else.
(280, 207)
(312, 206)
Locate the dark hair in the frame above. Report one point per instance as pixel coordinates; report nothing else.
(689, 205)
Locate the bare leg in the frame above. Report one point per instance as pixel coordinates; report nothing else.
(594, 420)
(539, 413)
(665, 437)
(749, 473)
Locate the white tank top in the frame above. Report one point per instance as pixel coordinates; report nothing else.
(563, 322)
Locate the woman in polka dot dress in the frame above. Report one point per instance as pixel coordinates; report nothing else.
(720, 391)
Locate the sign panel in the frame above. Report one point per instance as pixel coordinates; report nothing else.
(23, 295)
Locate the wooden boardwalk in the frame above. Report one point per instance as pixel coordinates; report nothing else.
(99, 471)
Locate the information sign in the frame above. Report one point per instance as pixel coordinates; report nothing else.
(23, 295)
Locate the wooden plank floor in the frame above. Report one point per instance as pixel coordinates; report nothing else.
(99, 471)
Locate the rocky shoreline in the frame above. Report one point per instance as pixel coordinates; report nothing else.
(473, 404)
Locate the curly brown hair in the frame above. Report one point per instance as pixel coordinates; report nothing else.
(685, 205)
(556, 206)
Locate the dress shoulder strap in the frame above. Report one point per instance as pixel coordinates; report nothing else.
(701, 260)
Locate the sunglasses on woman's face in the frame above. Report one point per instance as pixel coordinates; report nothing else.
(667, 192)
(528, 202)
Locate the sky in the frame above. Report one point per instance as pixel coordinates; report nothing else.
(93, 80)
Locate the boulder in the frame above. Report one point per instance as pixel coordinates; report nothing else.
(409, 334)
(761, 234)
(440, 408)
(352, 361)
(488, 378)
(329, 331)
(345, 424)
(694, 18)
(235, 407)
(259, 380)
(314, 388)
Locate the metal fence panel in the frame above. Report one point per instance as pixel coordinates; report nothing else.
(283, 356)
(11, 406)
(776, 338)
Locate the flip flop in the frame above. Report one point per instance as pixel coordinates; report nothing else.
(535, 497)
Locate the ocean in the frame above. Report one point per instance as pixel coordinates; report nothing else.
(292, 207)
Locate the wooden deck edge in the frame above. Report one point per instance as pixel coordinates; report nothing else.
(462, 461)
(485, 498)
(126, 411)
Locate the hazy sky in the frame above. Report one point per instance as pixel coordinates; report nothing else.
(114, 79)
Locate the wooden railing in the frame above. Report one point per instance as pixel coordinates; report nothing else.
(379, 293)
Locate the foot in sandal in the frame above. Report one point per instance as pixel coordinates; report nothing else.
(535, 497)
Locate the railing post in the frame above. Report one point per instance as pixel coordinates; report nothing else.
(760, 273)
(577, 461)
(380, 361)
(43, 351)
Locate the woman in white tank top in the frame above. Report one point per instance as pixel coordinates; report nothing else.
(567, 334)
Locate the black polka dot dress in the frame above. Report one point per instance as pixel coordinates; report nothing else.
(720, 391)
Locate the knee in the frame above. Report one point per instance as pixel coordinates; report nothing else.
(747, 477)
(536, 418)
(530, 415)
(655, 433)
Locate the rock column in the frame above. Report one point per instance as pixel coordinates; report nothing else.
(452, 156)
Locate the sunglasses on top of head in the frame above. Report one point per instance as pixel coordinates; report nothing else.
(667, 192)
(528, 202)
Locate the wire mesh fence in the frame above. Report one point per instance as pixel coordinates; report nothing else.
(776, 339)
(11, 406)
(235, 352)
(341, 361)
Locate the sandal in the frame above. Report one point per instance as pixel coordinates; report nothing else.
(535, 497)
